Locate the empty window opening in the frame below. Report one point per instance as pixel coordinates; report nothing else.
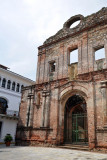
(4, 83)
(100, 54)
(13, 86)
(52, 66)
(8, 84)
(75, 24)
(18, 86)
(74, 56)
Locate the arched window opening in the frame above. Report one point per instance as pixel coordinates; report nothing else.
(4, 83)
(13, 86)
(74, 56)
(3, 106)
(73, 21)
(22, 87)
(18, 86)
(75, 24)
(8, 84)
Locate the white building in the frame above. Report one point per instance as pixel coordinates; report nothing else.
(10, 97)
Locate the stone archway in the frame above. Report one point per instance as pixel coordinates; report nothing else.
(75, 120)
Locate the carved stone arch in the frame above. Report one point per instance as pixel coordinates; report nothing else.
(77, 88)
(65, 95)
(70, 93)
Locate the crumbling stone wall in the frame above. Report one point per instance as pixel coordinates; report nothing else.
(43, 105)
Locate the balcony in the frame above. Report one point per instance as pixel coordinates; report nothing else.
(11, 114)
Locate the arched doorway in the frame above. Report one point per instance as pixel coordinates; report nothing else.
(75, 120)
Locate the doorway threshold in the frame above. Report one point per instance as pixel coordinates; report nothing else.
(83, 147)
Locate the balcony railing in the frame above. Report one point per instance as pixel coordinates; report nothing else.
(12, 113)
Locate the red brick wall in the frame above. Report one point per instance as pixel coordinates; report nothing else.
(54, 93)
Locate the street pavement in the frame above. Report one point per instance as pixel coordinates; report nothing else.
(45, 153)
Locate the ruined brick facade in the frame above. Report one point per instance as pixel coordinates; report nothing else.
(42, 109)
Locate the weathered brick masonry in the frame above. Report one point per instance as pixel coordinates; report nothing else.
(63, 90)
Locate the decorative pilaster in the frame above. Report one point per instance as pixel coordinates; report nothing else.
(104, 101)
(45, 108)
(91, 113)
(85, 53)
(30, 110)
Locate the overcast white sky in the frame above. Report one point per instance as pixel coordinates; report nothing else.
(26, 24)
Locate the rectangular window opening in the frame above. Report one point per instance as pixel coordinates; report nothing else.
(99, 54)
(52, 66)
(74, 56)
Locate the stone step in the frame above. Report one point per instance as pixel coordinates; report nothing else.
(75, 147)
